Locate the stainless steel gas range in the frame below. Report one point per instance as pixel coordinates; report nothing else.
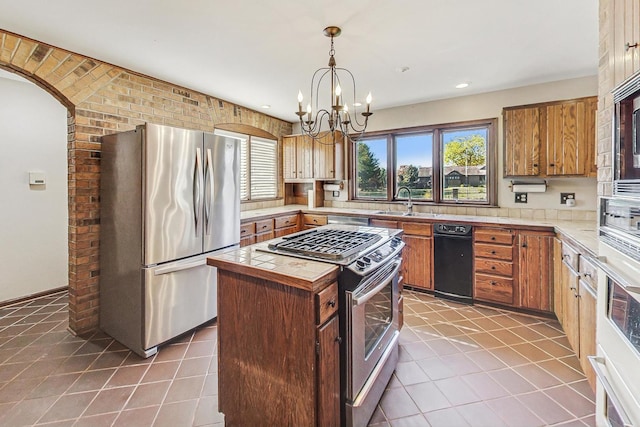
(370, 260)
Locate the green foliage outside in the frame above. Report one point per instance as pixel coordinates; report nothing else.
(466, 151)
(371, 177)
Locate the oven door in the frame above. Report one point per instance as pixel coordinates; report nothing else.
(372, 321)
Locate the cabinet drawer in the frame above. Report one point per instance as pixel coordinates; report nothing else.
(493, 235)
(326, 303)
(247, 229)
(261, 237)
(287, 221)
(486, 250)
(570, 256)
(264, 225)
(492, 266)
(311, 219)
(494, 288)
(417, 228)
(279, 232)
(588, 272)
(384, 223)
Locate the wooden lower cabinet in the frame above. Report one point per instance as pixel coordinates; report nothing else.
(569, 282)
(418, 254)
(493, 265)
(535, 280)
(558, 300)
(277, 365)
(328, 376)
(587, 329)
(268, 228)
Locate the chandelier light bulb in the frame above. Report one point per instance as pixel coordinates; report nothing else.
(300, 98)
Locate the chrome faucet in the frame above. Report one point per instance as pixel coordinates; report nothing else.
(409, 203)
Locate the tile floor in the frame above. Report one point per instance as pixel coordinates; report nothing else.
(459, 366)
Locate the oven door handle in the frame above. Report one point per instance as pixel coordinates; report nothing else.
(361, 299)
(595, 363)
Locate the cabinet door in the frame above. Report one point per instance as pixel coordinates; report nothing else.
(626, 32)
(535, 280)
(328, 377)
(522, 142)
(417, 261)
(304, 157)
(570, 306)
(324, 158)
(289, 170)
(570, 137)
(587, 317)
(557, 280)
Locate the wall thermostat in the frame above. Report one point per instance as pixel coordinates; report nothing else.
(37, 178)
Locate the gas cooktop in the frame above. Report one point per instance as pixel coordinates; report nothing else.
(336, 243)
(327, 244)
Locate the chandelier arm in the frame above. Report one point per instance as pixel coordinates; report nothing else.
(355, 109)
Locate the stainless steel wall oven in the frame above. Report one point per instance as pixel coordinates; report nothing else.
(626, 138)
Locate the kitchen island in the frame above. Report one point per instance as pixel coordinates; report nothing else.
(278, 340)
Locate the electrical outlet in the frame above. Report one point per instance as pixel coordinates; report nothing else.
(521, 197)
(565, 196)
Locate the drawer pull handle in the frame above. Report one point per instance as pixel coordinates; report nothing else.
(264, 226)
(573, 288)
(493, 237)
(493, 267)
(339, 340)
(628, 46)
(492, 282)
(493, 252)
(587, 274)
(331, 303)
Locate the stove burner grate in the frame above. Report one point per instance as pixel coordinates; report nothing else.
(327, 244)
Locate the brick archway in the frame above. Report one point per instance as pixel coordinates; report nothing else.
(102, 99)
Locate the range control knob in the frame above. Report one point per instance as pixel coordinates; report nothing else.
(395, 242)
(361, 265)
(366, 260)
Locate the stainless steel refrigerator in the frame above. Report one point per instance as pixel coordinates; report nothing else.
(169, 197)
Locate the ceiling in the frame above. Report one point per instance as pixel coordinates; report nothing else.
(256, 52)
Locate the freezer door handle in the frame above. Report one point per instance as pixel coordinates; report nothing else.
(208, 191)
(179, 267)
(197, 190)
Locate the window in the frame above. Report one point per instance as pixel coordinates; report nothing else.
(438, 164)
(258, 166)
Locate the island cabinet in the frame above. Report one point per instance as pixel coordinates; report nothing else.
(577, 283)
(493, 278)
(551, 139)
(535, 274)
(278, 350)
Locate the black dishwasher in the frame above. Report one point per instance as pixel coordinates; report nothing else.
(453, 262)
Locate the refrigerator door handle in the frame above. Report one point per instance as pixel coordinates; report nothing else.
(180, 267)
(208, 191)
(197, 190)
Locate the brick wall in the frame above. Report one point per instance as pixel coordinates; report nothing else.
(103, 99)
(605, 99)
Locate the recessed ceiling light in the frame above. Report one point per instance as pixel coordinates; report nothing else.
(403, 69)
(266, 106)
(357, 104)
(462, 85)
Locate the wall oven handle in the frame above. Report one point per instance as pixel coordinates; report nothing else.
(359, 300)
(596, 362)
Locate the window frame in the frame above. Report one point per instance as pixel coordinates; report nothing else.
(491, 125)
(247, 137)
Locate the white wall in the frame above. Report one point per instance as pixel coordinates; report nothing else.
(489, 105)
(33, 220)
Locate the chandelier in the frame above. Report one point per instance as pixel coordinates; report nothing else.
(318, 120)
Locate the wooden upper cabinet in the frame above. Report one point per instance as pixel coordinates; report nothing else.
(297, 154)
(304, 158)
(327, 157)
(570, 137)
(626, 39)
(522, 141)
(551, 139)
